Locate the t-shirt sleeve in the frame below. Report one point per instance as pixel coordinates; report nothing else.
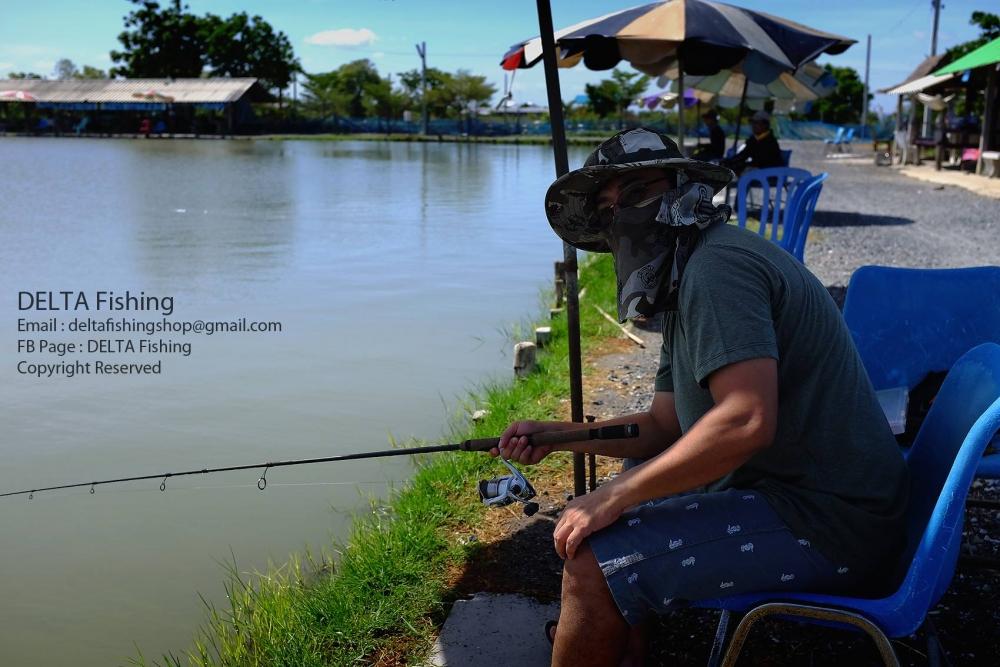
(726, 308)
(664, 374)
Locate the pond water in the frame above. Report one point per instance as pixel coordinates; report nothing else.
(397, 272)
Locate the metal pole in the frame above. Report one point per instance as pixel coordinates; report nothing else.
(739, 113)
(546, 31)
(680, 105)
(422, 52)
(864, 96)
(989, 114)
(934, 33)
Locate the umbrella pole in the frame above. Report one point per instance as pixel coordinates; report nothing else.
(680, 105)
(739, 113)
(546, 31)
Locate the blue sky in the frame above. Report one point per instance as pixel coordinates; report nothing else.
(471, 34)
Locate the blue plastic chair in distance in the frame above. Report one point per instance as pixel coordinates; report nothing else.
(907, 323)
(837, 138)
(776, 185)
(942, 462)
(799, 215)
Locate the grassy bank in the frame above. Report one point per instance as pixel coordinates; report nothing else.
(381, 599)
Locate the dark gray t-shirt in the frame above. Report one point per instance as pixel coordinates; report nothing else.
(834, 472)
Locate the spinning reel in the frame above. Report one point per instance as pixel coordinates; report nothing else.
(515, 487)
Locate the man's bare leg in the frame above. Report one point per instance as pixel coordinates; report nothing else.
(591, 629)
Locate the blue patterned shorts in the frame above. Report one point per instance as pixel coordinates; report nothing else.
(666, 552)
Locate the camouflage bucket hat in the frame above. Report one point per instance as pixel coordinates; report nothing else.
(570, 202)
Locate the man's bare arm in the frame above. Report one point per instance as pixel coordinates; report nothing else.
(742, 422)
(658, 429)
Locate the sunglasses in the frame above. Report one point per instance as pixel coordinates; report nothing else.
(632, 194)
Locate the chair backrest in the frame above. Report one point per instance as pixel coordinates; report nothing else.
(799, 214)
(836, 137)
(849, 136)
(786, 157)
(964, 417)
(776, 185)
(909, 322)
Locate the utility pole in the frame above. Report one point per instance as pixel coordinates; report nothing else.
(422, 52)
(864, 97)
(926, 131)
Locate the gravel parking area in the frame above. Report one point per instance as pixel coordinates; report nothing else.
(875, 215)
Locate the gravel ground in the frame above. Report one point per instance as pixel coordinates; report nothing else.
(866, 215)
(875, 215)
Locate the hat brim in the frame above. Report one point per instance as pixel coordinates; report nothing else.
(569, 205)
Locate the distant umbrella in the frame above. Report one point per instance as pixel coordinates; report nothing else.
(155, 95)
(17, 95)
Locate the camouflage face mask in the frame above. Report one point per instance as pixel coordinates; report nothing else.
(651, 243)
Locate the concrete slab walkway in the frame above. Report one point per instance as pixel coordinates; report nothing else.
(495, 629)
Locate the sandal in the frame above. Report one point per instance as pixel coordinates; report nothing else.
(549, 634)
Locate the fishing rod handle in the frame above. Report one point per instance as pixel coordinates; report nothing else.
(560, 437)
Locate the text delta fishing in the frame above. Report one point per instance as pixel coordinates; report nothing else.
(101, 300)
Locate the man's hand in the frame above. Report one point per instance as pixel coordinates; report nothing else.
(583, 516)
(514, 441)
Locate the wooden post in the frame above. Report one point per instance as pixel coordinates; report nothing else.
(939, 148)
(542, 336)
(989, 116)
(524, 358)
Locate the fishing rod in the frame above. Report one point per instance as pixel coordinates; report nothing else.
(495, 492)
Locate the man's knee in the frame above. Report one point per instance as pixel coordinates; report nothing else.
(582, 571)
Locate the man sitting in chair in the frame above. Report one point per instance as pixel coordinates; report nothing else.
(768, 463)
(761, 150)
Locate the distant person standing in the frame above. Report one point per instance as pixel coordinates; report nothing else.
(761, 150)
(716, 147)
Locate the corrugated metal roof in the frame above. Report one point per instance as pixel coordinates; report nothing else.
(918, 85)
(926, 66)
(182, 91)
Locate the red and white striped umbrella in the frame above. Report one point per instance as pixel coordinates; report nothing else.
(18, 95)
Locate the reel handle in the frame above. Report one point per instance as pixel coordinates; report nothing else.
(617, 432)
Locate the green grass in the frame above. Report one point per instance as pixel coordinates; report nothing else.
(384, 592)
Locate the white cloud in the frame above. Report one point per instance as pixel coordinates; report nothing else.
(919, 34)
(342, 37)
(378, 54)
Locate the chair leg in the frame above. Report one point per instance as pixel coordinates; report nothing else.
(935, 652)
(719, 643)
(808, 611)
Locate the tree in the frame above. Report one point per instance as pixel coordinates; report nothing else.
(323, 97)
(470, 90)
(438, 100)
(24, 75)
(242, 45)
(65, 69)
(159, 42)
(843, 105)
(616, 94)
(384, 101)
(989, 29)
(89, 72)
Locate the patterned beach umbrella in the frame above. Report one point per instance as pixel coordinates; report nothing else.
(703, 37)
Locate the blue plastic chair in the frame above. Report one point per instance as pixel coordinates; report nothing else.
(776, 185)
(907, 323)
(799, 215)
(837, 138)
(849, 137)
(942, 462)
